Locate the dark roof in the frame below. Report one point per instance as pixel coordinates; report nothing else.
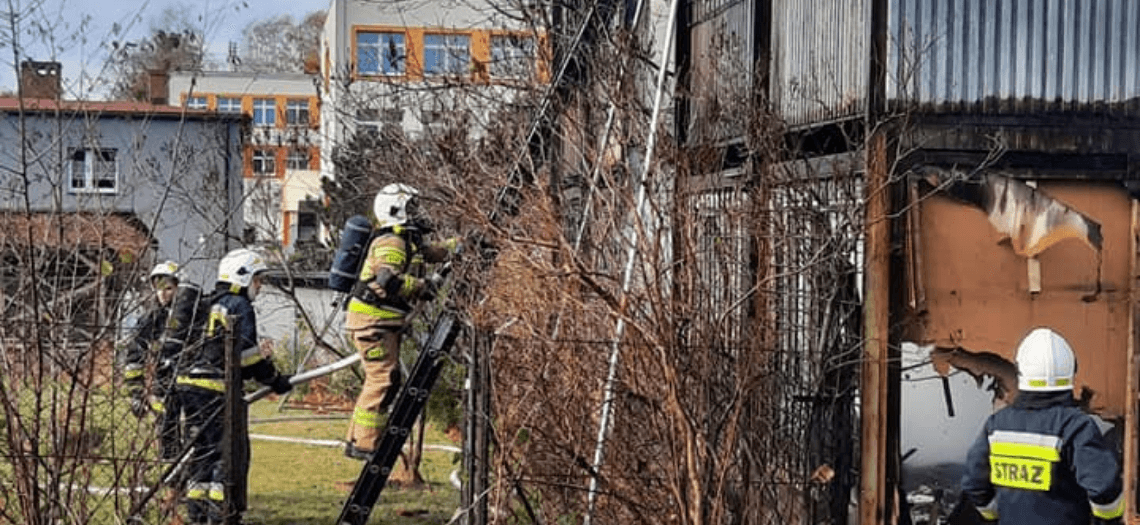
(121, 232)
(110, 108)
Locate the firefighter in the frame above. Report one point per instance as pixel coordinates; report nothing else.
(202, 388)
(143, 351)
(387, 288)
(1042, 460)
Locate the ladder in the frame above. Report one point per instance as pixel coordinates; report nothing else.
(409, 403)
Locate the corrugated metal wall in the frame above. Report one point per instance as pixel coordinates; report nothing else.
(819, 59)
(723, 35)
(723, 260)
(1029, 51)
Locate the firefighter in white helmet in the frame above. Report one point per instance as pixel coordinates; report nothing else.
(143, 353)
(1042, 460)
(389, 284)
(202, 387)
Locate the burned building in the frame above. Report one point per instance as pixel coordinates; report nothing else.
(968, 168)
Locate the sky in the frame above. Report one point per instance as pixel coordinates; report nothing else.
(84, 28)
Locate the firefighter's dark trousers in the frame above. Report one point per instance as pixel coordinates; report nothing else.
(206, 495)
(167, 405)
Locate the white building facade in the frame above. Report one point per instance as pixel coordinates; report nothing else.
(281, 157)
(410, 66)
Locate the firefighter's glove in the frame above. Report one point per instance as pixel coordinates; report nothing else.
(281, 384)
(431, 286)
(139, 405)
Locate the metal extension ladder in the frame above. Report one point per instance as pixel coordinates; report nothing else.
(409, 403)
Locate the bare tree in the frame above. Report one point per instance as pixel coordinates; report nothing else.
(176, 45)
(277, 44)
(76, 248)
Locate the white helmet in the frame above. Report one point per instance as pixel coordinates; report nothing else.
(238, 268)
(1045, 362)
(165, 269)
(391, 205)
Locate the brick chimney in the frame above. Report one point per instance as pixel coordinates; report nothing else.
(158, 87)
(40, 79)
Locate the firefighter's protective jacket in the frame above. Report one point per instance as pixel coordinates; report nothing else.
(202, 386)
(205, 364)
(388, 284)
(1043, 461)
(141, 348)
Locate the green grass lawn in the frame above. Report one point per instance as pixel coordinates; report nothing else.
(297, 484)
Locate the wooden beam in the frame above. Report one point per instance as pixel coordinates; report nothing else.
(1130, 438)
(874, 384)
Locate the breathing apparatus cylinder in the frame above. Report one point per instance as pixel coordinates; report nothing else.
(350, 253)
(183, 316)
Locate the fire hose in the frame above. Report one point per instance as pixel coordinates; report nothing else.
(183, 458)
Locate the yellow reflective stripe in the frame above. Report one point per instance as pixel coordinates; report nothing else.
(1040, 443)
(376, 354)
(133, 373)
(990, 511)
(366, 418)
(216, 385)
(1042, 383)
(1020, 450)
(251, 356)
(1109, 511)
(361, 307)
(157, 406)
(196, 490)
(390, 254)
(217, 318)
(409, 286)
(217, 492)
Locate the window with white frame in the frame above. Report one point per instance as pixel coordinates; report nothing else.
(297, 112)
(368, 121)
(380, 53)
(264, 112)
(512, 56)
(375, 120)
(298, 159)
(263, 162)
(229, 105)
(93, 170)
(446, 54)
(196, 103)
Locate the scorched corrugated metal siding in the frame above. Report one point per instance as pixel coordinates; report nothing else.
(819, 60)
(723, 37)
(1014, 55)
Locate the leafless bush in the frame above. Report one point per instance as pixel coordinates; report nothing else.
(734, 326)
